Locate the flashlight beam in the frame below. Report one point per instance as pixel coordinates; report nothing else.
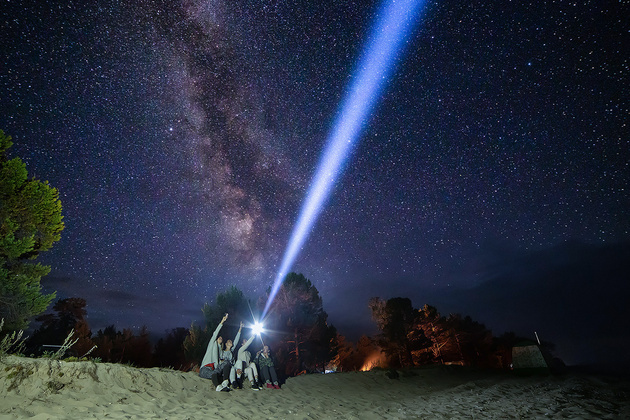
(392, 28)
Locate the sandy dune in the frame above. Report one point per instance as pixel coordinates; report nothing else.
(46, 389)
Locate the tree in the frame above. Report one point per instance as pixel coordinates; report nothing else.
(169, 351)
(195, 344)
(346, 358)
(322, 346)
(455, 339)
(473, 341)
(364, 356)
(69, 314)
(123, 346)
(308, 342)
(83, 335)
(396, 319)
(434, 327)
(137, 349)
(30, 222)
(104, 341)
(232, 302)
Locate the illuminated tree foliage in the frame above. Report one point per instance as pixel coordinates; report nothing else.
(412, 337)
(365, 355)
(30, 222)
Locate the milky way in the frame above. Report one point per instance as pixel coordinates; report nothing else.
(182, 137)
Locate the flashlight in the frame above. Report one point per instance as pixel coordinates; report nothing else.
(258, 328)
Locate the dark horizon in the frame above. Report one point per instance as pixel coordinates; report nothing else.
(553, 293)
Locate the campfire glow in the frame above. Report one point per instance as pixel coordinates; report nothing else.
(372, 361)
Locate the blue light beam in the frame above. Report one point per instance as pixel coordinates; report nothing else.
(396, 22)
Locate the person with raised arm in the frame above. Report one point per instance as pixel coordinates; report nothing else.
(245, 365)
(210, 362)
(226, 359)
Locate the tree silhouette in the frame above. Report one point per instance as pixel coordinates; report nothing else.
(169, 351)
(396, 319)
(68, 315)
(124, 346)
(412, 337)
(307, 341)
(433, 327)
(104, 341)
(472, 341)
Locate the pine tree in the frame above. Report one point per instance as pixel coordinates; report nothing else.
(309, 341)
(30, 222)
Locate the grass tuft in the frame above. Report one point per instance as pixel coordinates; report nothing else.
(20, 372)
(11, 343)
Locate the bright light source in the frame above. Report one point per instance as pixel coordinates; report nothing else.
(258, 328)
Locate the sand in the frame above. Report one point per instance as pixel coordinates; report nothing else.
(48, 389)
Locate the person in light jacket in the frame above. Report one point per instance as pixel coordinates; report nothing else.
(244, 364)
(210, 362)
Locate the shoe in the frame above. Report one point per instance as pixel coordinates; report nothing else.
(255, 388)
(276, 387)
(223, 386)
(269, 386)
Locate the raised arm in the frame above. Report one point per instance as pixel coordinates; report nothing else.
(238, 335)
(216, 332)
(241, 350)
(248, 342)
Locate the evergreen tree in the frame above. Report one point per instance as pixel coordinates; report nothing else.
(104, 340)
(472, 341)
(396, 320)
(123, 346)
(55, 326)
(232, 302)
(308, 342)
(434, 328)
(364, 356)
(195, 344)
(137, 349)
(30, 222)
(169, 351)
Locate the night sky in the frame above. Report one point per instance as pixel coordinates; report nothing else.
(491, 179)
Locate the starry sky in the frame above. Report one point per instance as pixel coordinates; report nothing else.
(491, 179)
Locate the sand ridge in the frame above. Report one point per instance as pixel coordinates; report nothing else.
(49, 389)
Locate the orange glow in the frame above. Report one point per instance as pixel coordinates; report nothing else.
(372, 361)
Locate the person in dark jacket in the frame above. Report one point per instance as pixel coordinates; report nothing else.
(267, 368)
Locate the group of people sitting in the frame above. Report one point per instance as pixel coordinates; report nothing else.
(227, 372)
